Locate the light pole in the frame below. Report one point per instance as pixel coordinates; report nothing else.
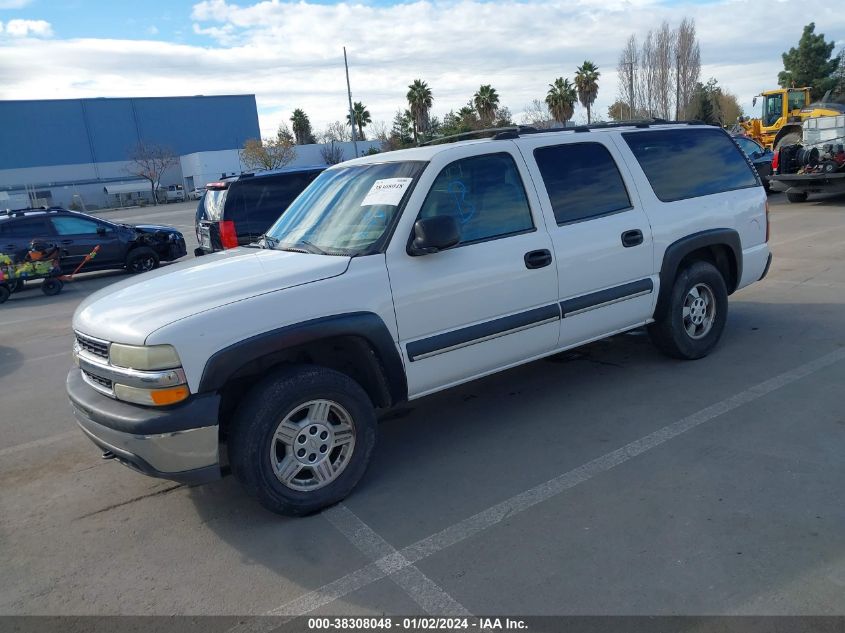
(351, 113)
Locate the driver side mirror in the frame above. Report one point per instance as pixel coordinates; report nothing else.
(435, 234)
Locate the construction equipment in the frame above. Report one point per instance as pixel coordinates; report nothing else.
(783, 112)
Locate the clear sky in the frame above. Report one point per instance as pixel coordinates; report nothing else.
(289, 54)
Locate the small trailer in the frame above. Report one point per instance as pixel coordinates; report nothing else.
(818, 166)
(42, 261)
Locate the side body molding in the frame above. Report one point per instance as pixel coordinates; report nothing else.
(676, 252)
(364, 325)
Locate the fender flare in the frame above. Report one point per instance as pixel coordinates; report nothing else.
(225, 363)
(676, 252)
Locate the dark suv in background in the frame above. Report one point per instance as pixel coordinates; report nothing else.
(137, 248)
(237, 211)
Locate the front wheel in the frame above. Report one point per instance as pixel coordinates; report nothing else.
(695, 317)
(302, 438)
(141, 260)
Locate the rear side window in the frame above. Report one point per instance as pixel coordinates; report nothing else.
(26, 228)
(687, 163)
(484, 194)
(265, 198)
(582, 181)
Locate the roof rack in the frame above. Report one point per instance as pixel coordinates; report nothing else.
(503, 133)
(21, 212)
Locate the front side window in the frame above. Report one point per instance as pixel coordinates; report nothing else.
(484, 194)
(347, 210)
(74, 226)
(582, 181)
(691, 162)
(749, 147)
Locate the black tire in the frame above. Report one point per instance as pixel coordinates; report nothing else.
(788, 139)
(51, 286)
(15, 285)
(252, 442)
(141, 260)
(796, 196)
(669, 332)
(4, 293)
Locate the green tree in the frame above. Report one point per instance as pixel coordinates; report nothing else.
(561, 99)
(362, 118)
(486, 102)
(270, 153)
(706, 103)
(302, 127)
(810, 64)
(401, 133)
(587, 84)
(420, 100)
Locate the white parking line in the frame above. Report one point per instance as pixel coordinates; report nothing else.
(425, 592)
(393, 563)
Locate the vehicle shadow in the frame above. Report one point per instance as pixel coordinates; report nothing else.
(442, 458)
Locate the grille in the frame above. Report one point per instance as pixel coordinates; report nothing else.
(103, 382)
(93, 346)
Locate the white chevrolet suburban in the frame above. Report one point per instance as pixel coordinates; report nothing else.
(397, 275)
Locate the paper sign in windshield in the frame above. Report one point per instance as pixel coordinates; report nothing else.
(386, 191)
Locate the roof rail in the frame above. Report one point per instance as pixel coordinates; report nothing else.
(503, 133)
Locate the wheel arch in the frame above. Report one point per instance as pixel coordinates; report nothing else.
(357, 344)
(721, 247)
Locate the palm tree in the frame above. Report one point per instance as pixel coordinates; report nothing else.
(486, 102)
(587, 84)
(362, 118)
(561, 99)
(301, 127)
(419, 103)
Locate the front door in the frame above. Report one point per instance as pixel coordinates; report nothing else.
(78, 236)
(488, 302)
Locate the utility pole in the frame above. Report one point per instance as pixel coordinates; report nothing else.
(351, 113)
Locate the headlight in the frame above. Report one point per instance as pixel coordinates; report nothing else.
(147, 358)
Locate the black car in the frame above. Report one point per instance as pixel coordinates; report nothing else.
(137, 248)
(237, 211)
(760, 157)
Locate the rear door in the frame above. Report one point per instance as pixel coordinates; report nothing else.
(17, 233)
(260, 201)
(78, 236)
(601, 235)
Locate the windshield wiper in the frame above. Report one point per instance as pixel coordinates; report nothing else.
(311, 248)
(268, 242)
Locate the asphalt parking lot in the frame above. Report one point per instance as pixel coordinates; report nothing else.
(606, 480)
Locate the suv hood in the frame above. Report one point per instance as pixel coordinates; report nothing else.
(129, 311)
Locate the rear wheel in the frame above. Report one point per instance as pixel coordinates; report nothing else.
(51, 286)
(696, 314)
(788, 139)
(141, 260)
(796, 196)
(4, 293)
(302, 438)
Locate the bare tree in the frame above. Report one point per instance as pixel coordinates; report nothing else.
(664, 47)
(149, 161)
(536, 114)
(331, 153)
(627, 73)
(270, 153)
(687, 66)
(336, 131)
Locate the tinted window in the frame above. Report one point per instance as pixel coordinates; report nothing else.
(73, 226)
(687, 163)
(582, 181)
(264, 198)
(25, 228)
(748, 146)
(484, 193)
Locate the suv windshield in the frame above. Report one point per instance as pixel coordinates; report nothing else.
(346, 210)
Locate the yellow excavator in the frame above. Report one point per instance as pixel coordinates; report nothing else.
(784, 110)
